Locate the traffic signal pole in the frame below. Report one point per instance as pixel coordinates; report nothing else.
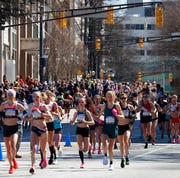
(41, 42)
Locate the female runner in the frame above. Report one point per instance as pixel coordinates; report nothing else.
(53, 108)
(98, 121)
(39, 114)
(147, 111)
(112, 113)
(58, 132)
(10, 110)
(124, 131)
(84, 120)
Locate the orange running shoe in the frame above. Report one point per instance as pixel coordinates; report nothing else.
(15, 164)
(11, 170)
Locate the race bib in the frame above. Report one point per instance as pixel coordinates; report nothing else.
(10, 112)
(80, 117)
(146, 113)
(35, 114)
(126, 113)
(110, 120)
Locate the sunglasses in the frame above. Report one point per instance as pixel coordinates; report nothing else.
(35, 97)
(123, 98)
(81, 102)
(10, 94)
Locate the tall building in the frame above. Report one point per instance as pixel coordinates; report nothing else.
(138, 11)
(19, 43)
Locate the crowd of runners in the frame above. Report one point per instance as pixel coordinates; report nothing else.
(105, 114)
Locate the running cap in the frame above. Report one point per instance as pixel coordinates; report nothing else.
(11, 91)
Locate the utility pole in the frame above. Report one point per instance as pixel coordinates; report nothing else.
(41, 49)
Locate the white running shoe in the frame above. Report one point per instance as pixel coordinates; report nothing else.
(60, 152)
(111, 167)
(55, 162)
(105, 160)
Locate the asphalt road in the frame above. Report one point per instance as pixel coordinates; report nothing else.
(161, 160)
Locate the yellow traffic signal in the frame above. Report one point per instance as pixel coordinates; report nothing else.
(63, 20)
(98, 44)
(170, 77)
(109, 77)
(140, 42)
(159, 16)
(102, 75)
(110, 16)
(139, 76)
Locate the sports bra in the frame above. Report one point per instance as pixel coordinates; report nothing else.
(81, 116)
(35, 114)
(10, 111)
(173, 107)
(126, 111)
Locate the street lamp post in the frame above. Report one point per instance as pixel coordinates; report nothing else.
(41, 42)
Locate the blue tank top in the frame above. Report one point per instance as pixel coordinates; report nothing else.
(109, 118)
(57, 124)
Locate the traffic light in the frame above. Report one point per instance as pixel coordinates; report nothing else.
(110, 16)
(139, 76)
(140, 42)
(159, 16)
(63, 20)
(98, 44)
(109, 77)
(170, 77)
(102, 75)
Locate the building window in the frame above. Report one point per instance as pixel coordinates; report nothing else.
(6, 52)
(142, 52)
(14, 46)
(14, 22)
(149, 52)
(127, 26)
(150, 26)
(14, 54)
(149, 11)
(134, 26)
(14, 41)
(139, 26)
(35, 31)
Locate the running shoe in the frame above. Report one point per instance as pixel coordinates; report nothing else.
(105, 160)
(123, 163)
(111, 167)
(173, 140)
(11, 170)
(55, 162)
(32, 170)
(177, 140)
(127, 160)
(15, 164)
(99, 151)
(82, 165)
(153, 142)
(146, 145)
(60, 151)
(18, 156)
(50, 161)
(89, 154)
(44, 164)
